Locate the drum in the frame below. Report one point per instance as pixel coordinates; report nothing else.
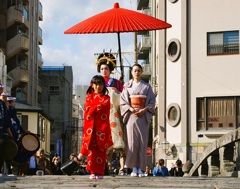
(8, 148)
(28, 144)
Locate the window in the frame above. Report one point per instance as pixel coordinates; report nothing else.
(222, 43)
(218, 113)
(173, 49)
(54, 90)
(173, 114)
(41, 128)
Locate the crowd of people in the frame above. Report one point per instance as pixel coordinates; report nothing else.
(162, 170)
(10, 130)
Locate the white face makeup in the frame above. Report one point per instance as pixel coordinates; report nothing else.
(105, 71)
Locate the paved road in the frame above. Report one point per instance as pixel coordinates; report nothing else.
(118, 182)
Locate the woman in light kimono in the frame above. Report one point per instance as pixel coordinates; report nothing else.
(137, 106)
(105, 65)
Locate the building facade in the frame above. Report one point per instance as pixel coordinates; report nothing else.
(195, 65)
(20, 58)
(57, 102)
(20, 37)
(34, 119)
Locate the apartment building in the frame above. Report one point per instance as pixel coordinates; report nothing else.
(194, 69)
(20, 40)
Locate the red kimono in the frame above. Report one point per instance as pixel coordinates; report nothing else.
(96, 132)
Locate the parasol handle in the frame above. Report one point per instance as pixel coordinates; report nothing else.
(120, 58)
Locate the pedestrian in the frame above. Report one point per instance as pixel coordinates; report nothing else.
(148, 171)
(176, 170)
(32, 169)
(20, 163)
(56, 165)
(80, 169)
(43, 163)
(5, 131)
(105, 65)
(137, 105)
(160, 169)
(16, 127)
(96, 129)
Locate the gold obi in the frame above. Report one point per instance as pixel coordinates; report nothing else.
(138, 101)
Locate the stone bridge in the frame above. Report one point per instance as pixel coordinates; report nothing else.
(220, 158)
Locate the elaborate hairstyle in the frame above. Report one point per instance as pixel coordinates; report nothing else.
(108, 59)
(97, 79)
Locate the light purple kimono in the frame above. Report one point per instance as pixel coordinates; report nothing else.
(137, 127)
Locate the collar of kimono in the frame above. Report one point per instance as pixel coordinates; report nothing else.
(130, 82)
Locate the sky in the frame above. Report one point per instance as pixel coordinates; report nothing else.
(77, 50)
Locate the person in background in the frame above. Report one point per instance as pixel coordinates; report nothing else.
(137, 105)
(148, 171)
(16, 127)
(32, 165)
(43, 163)
(80, 169)
(160, 169)
(56, 165)
(176, 170)
(4, 118)
(97, 138)
(5, 131)
(105, 65)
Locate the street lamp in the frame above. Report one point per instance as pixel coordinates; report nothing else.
(165, 146)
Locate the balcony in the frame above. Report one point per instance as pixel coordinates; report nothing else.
(40, 60)
(147, 11)
(142, 3)
(39, 36)
(17, 44)
(145, 44)
(40, 13)
(146, 69)
(19, 76)
(17, 16)
(20, 95)
(143, 55)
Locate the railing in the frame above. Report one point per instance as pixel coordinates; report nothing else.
(40, 7)
(40, 56)
(40, 32)
(25, 13)
(223, 49)
(147, 11)
(21, 96)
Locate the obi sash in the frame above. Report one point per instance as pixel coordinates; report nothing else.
(138, 101)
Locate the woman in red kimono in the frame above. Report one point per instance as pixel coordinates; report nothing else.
(96, 129)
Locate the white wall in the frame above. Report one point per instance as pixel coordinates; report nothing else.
(212, 75)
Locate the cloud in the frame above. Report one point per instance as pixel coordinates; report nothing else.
(78, 51)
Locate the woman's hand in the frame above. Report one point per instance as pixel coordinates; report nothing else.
(132, 110)
(140, 112)
(80, 157)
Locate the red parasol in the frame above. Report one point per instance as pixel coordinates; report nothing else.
(118, 20)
